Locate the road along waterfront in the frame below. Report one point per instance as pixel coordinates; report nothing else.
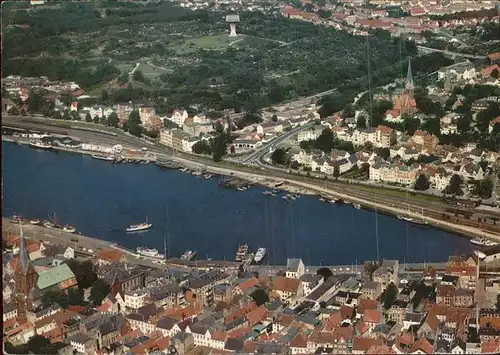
(102, 199)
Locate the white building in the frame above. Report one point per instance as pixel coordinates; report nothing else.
(178, 117)
(310, 134)
(135, 299)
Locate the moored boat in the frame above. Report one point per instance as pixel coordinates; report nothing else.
(39, 145)
(242, 252)
(260, 255)
(356, 206)
(484, 242)
(34, 221)
(189, 255)
(69, 228)
(267, 193)
(48, 224)
(152, 253)
(103, 157)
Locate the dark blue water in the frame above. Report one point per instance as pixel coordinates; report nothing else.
(102, 199)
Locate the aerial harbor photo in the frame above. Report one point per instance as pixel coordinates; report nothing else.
(261, 177)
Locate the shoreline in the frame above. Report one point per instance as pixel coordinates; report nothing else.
(53, 236)
(305, 188)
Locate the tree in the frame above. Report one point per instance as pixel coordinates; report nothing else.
(35, 102)
(36, 343)
(113, 119)
(135, 129)
(422, 183)
(202, 147)
(495, 73)
(169, 124)
(455, 186)
(13, 111)
(100, 289)
(74, 115)
(484, 189)
(75, 296)
(325, 272)
(279, 156)
(103, 120)
(59, 297)
(219, 143)
(325, 141)
(84, 272)
(88, 118)
(498, 302)
(389, 295)
(139, 76)
(96, 119)
(370, 268)
(260, 296)
(274, 118)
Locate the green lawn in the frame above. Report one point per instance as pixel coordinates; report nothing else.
(215, 42)
(149, 71)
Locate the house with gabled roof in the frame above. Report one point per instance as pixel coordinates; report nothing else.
(246, 286)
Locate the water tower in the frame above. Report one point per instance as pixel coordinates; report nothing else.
(232, 20)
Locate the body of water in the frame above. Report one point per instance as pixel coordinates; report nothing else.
(102, 199)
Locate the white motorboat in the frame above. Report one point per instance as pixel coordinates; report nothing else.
(103, 157)
(34, 221)
(260, 255)
(356, 206)
(40, 145)
(69, 228)
(484, 242)
(189, 255)
(139, 227)
(152, 253)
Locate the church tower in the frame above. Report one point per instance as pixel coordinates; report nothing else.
(409, 85)
(25, 277)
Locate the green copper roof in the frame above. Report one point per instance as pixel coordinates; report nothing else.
(51, 277)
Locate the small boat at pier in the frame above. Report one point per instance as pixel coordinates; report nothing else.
(34, 221)
(103, 157)
(69, 228)
(139, 227)
(484, 242)
(260, 255)
(189, 255)
(39, 145)
(278, 183)
(152, 253)
(242, 188)
(267, 193)
(356, 206)
(242, 252)
(48, 224)
(208, 176)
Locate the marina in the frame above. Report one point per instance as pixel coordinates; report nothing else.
(305, 227)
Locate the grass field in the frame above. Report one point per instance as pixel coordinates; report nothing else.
(150, 71)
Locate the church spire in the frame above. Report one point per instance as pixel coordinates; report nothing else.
(24, 259)
(409, 76)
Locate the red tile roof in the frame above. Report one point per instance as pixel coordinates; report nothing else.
(367, 304)
(333, 321)
(256, 315)
(111, 255)
(248, 284)
(299, 341)
(363, 344)
(284, 284)
(371, 316)
(346, 312)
